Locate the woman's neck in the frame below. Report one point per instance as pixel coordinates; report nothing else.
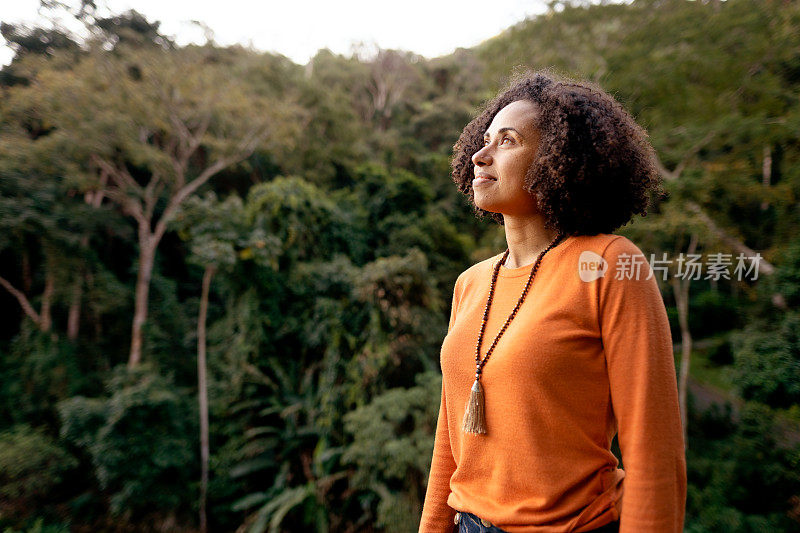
(527, 238)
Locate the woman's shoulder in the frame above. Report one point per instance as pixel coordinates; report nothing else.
(601, 242)
(606, 251)
(609, 246)
(479, 270)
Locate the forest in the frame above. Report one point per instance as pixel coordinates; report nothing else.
(225, 277)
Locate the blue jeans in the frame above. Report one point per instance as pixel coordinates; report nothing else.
(470, 523)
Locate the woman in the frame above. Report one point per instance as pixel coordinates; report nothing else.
(562, 341)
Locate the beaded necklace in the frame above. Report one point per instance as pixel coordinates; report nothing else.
(474, 415)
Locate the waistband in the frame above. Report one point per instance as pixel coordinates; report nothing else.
(488, 527)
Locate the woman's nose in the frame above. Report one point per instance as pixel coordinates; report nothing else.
(482, 157)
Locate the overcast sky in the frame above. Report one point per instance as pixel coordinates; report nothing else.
(299, 28)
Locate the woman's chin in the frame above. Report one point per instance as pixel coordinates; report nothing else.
(487, 208)
(491, 207)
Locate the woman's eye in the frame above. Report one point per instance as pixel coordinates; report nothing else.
(502, 141)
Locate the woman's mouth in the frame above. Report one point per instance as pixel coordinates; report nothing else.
(483, 179)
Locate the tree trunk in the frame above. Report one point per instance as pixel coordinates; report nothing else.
(45, 316)
(74, 316)
(147, 254)
(203, 393)
(766, 173)
(681, 290)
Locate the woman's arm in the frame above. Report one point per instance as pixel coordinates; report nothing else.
(638, 347)
(437, 516)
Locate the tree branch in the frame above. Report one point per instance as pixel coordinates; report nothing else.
(123, 179)
(246, 147)
(675, 174)
(736, 244)
(130, 205)
(151, 194)
(95, 198)
(23, 301)
(188, 189)
(764, 266)
(188, 140)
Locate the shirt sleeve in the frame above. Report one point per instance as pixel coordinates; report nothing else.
(644, 396)
(437, 516)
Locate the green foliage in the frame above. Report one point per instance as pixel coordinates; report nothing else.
(574, 40)
(787, 278)
(393, 192)
(39, 526)
(131, 106)
(767, 362)
(131, 28)
(333, 140)
(31, 463)
(391, 448)
(300, 216)
(219, 234)
(45, 370)
(288, 432)
(713, 311)
(25, 40)
(739, 479)
(721, 353)
(271, 513)
(169, 314)
(344, 333)
(139, 440)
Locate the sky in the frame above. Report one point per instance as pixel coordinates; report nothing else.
(297, 29)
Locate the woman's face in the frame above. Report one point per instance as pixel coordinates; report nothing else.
(509, 147)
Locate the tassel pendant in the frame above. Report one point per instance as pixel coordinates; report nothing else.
(474, 416)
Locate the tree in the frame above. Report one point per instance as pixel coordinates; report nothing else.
(219, 237)
(148, 129)
(32, 210)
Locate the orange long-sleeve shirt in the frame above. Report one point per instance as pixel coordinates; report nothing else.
(583, 359)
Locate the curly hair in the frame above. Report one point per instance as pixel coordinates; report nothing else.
(594, 168)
